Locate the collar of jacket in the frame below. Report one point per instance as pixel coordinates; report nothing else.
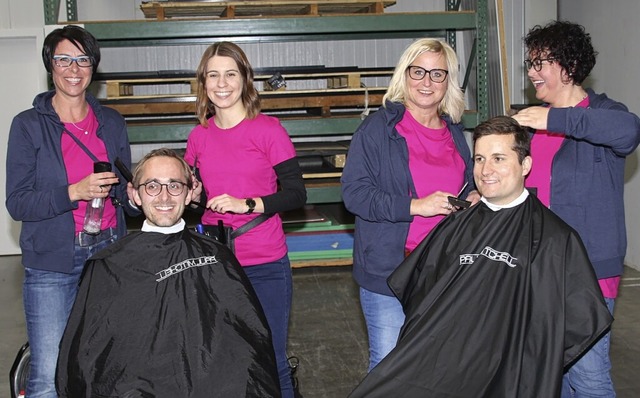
(43, 105)
(395, 112)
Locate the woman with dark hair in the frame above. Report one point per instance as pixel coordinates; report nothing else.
(50, 182)
(579, 150)
(241, 156)
(404, 162)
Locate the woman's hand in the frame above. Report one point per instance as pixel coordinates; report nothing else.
(473, 197)
(534, 117)
(228, 204)
(435, 204)
(196, 187)
(95, 185)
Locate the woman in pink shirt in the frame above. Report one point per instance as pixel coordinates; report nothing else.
(404, 162)
(241, 156)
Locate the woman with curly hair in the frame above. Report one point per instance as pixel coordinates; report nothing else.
(579, 150)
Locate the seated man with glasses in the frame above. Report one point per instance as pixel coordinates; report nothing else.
(166, 312)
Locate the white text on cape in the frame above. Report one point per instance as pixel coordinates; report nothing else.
(185, 265)
(491, 254)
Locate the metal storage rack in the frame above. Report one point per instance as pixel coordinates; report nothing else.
(308, 28)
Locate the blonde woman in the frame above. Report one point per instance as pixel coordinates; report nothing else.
(403, 163)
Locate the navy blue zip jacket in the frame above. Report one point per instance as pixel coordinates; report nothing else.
(37, 185)
(587, 176)
(377, 187)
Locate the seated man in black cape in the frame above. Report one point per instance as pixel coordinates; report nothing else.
(166, 312)
(498, 298)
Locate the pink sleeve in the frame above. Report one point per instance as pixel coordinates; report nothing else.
(191, 155)
(277, 142)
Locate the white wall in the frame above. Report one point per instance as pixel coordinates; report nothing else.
(615, 34)
(536, 12)
(22, 76)
(20, 14)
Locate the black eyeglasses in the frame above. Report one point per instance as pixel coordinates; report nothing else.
(536, 63)
(64, 61)
(435, 75)
(153, 188)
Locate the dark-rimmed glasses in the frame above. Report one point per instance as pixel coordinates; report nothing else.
(536, 63)
(65, 61)
(153, 188)
(419, 73)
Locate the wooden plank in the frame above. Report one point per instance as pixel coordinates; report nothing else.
(142, 108)
(322, 263)
(229, 12)
(162, 10)
(118, 88)
(376, 8)
(124, 88)
(336, 174)
(351, 80)
(267, 95)
(503, 58)
(315, 102)
(318, 75)
(338, 161)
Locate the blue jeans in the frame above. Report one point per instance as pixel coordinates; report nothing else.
(48, 298)
(591, 375)
(384, 317)
(273, 285)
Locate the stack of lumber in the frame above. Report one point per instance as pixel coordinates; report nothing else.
(161, 10)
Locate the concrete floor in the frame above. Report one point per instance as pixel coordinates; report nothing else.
(327, 332)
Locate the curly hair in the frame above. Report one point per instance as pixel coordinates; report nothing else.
(250, 97)
(568, 44)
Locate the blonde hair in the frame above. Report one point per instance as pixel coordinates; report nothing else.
(453, 102)
(250, 98)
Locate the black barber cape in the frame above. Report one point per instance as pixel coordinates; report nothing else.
(496, 304)
(166, 316)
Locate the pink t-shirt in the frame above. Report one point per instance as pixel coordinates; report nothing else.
(435, 165)
(544, 147)
(239, 161)
(79, 164)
